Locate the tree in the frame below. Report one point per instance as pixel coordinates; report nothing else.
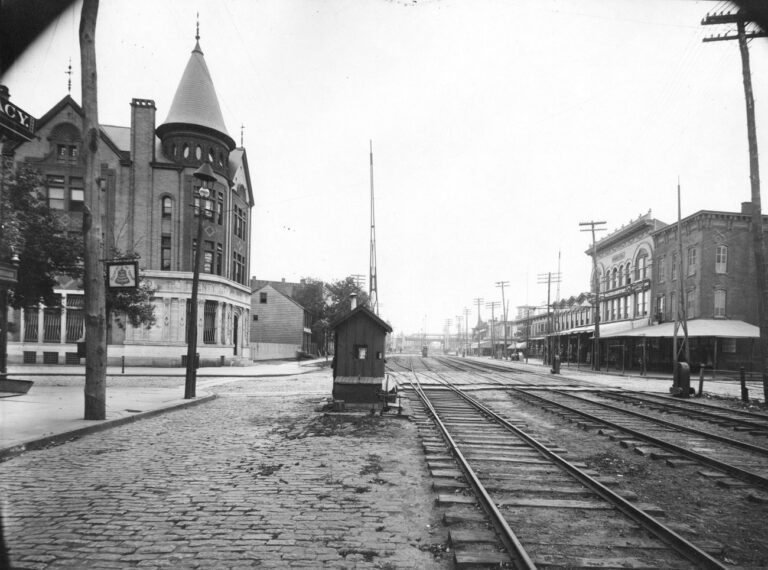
(327, 302)
(341, 297)
(311, 294)
(34, 233)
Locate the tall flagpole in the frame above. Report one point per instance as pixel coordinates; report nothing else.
(373, 296)
(681, 320)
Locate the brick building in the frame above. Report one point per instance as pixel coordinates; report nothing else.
(149, 192)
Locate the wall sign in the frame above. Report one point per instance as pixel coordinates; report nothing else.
(122, 275)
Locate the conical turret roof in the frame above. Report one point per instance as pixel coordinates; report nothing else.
(195, 102)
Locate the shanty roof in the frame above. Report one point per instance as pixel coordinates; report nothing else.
(195, 102)
(366, 311)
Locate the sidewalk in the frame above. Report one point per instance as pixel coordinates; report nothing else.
(53, 409)
(655, 382)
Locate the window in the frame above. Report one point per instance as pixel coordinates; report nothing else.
(66, 153)
(627, 274)
(691, 261)
(672, 306)
(76, 194)
(641, 266)
(56, 192)
(209, 322)
(721, 259)
(165, 252)
(690, 303)
(662, 268)
(255, 317)
(239, 222)
(720, 303)
(75, 317)
(238, 268)
(167, 207)
(219, 258)
(360, 351)
(220, 209)
(263, 297)
(207, 257)
(660, 307)
(674, 267)
(615, 280)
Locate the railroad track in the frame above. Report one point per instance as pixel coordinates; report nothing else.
(546, 511)
(733, 462)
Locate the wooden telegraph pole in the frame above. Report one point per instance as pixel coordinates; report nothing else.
(741, 20)
(595, 227)
(95, 298)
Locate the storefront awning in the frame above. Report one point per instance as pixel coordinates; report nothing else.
(518, 345)
(576, 330)
(697, 327)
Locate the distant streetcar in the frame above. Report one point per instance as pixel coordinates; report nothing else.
(424, 350)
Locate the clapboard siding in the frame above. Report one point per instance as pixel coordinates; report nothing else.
(280, 319)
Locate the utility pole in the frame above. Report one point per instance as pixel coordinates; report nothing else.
(478, 301)
(594, 227)
(492, 305)
(458, 333)
(503, 308)
(466, 330)
(741, 19)
(549, 278)
(95, 295)
(447, 330)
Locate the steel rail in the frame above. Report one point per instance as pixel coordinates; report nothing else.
(508, 536)
(663, 533)
(748, 419)
(721, 438)
(736, 472)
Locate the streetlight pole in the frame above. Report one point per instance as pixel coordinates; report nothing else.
(205, 175)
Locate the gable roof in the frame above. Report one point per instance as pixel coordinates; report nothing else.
(271, 288)
(367, 312)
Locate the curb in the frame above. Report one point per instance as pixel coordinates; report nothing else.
(63, 437)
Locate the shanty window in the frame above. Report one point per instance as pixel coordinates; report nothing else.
(361, 351)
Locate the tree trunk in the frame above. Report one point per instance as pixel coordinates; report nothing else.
(95, 301)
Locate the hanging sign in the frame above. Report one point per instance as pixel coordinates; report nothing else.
(122, 275)
(15, 123)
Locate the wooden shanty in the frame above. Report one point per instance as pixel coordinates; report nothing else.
(358, 365)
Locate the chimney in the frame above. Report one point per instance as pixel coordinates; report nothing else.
(353, 301)
(746, 208)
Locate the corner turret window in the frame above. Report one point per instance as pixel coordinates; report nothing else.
(185, 152)
(198, 152)
(210, 156)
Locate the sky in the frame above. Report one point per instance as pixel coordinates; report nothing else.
(497, 126)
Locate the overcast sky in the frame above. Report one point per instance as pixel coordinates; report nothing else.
(497, 126)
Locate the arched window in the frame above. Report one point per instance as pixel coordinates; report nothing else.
(167, 207)
(615, 281)
(628, 273)
(641, 266)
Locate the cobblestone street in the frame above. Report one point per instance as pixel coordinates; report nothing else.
(256, 478)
